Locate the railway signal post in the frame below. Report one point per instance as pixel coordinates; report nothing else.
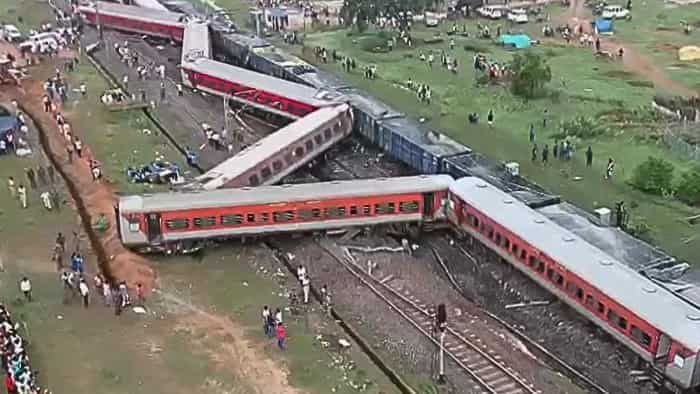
(441, 326)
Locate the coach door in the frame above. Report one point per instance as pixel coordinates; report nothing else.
(428, 204)
(154, 229)
(662, 350)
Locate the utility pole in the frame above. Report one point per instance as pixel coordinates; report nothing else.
(97, 20)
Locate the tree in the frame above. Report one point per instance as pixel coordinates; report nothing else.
(359, 13)
(688, 189)
(653, 176)
(530, 73)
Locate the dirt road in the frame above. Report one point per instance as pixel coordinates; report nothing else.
(578, 14)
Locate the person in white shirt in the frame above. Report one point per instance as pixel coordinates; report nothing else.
(266, 319)
(26, 287)
(306, 287)
(84, 292)
(46, 200)
(301, 273)
(278, 316)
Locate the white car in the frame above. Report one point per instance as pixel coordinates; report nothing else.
(615, 12)
(518, 16)
(11, 33)
(491, 12)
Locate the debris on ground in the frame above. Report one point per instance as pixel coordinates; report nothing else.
(156, 172)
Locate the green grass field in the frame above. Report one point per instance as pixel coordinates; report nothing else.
(581, 85)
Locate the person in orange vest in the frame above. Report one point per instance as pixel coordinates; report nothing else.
(281, 336)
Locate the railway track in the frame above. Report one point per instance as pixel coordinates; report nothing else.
(486, 368)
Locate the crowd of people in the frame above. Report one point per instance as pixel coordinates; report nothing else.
(19, 376)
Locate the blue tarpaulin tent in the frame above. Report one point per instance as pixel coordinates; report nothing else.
(518, 41)
(603, 26)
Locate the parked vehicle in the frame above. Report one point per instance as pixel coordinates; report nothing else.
(492, 12)
(11, 33)
(518, 15)
(615, 12)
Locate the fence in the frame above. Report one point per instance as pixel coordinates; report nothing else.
(674, 139)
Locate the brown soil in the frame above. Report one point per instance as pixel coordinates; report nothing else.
(577, 14)
(245, 359)
(97, 196)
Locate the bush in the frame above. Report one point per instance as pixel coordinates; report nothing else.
(654, 176)
(375, 42)
(688, 189)
(582, 127)
(474, 47)
(530, 74)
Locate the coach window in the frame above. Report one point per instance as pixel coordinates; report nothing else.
(265, 217)
(265, 173)
(289, 158)
(523, 254)
(574, 290)
(336, 128)
(506, 243)
(489, 230)
(353, 210)
(514, 249)
(231, 220)
(251, 218)
(473, 220)
(309, 146)
(253, 180)
(327, 134)
(384, 209)
(408, 206)
(555, 277)
(640, 336)
(177, 224)
(282, 216)
(204, 222)
(299, 151)
(335, 212)
(319, 139)
(366, 210)
(591, 302)
(277, 166)
(616, 319)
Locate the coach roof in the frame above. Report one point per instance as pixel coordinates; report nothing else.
(651, 302)
(163, 202)
(137, 13)
(269, 146)
(289, 90)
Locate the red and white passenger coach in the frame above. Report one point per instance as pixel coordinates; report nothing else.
(274, 157)
(648, 318)
(171, 221)
(269, 94)
(132, 19)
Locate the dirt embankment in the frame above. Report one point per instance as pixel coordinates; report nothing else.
(92, 198)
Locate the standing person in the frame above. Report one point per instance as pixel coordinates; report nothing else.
(301, 273)
(84, 292)
(534, 153)
(78, 145)
(11, 186)
(306, 287)
(179, 89)
(68, 287)
(266, 320)
(545, 154)
(589, 156)
(22, 193)
(124, 294)
(125, 82)
(532, 133)
(25, 287)
(326, 299)
(10, 385)
(162, 92)
(140, 298)
(31, 177)
(69, 152)
(52, 174)
(281, 336)
(544, 118)
(610, 169)
(83, 89)
(278, 317)
(107, 293)
(490, 118)
(77, 263)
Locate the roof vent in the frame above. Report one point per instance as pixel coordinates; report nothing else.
(246, 188)
(649, 289)
(286, 185)
(507, 201)
(336, 182)
(381, 179)
(539, 221)
(481, 185)
(695, 318)
(605, 262)
(568, 238)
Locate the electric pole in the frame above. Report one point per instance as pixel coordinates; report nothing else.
(440, 328)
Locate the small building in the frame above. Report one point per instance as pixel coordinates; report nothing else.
(283, 18)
